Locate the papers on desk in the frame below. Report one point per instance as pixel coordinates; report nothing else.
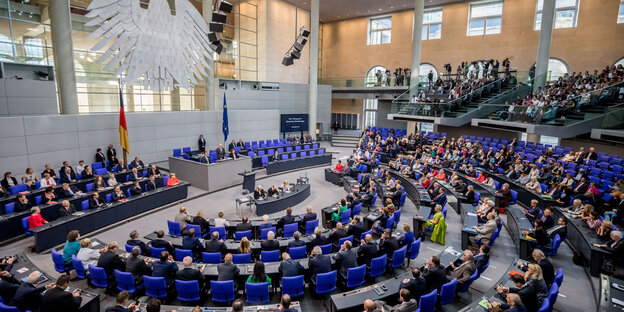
(470, 230)
(471, 214)
(22, 270)
(94, 243)
(483, 303)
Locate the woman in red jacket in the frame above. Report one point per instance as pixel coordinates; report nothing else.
(35, 218)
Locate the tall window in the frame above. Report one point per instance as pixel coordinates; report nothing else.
(432, 24)
(550, 140)
(373, 80)
(485, 18)
(566, 12)
(379, 29)
(621, 12)
(557, 68)
(619, 62)
(370, 112)
(423, 72)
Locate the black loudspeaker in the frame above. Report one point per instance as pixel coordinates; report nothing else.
(219, 17)
(224, 6)
(298, 46)
(213, 37)
(295, 54)
(217, 47)
(288, 60)
(304, 32)
(302, 40)
(216, 27)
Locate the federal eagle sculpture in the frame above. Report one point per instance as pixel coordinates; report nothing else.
(153, 46)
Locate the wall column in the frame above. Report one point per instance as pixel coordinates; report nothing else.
(419, 7)
(543, 47)
(209, 80)
(60, 20)
(314, 33)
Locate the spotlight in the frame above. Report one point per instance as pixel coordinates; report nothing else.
(304, 32)
(213, 37)
(216, 46)
(219, 17)
(288, 60)
(295, 54)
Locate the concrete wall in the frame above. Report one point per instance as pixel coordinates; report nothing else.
(289, 99)
(383, 109)
(456, 132)
(597, 40)
(38, 140)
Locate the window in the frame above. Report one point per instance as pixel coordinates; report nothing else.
(370, 112)
(423, 72)
(425, 126)
(549, 140)
(621, 13)
(557, 68)
(485, 18)
(565, 13)
(372, 80)
(432, 24)
(619, 62)
(379, 29)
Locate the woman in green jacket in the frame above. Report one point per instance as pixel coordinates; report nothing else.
(258, 275)
(336, 215)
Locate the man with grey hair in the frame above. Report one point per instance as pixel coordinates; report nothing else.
(214, 244)
(136, 241)
(290, 267)
(137, 266)
(548, 271)
(616, 246)
(576, 208)
(297, 242)
(265, 223)
(318, 263)
(367, 251)
(484, 232)
(183, 217)
(465, 270)
(270, 243)
(514, 304)
(188, 273)
(28, 296)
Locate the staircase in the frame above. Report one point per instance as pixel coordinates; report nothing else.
(345, 140)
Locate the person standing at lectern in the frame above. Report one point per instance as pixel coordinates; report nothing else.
(201, 143)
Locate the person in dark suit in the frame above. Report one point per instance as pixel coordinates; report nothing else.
(201, 143)
(28, 296)
(190, 242)
(440, 198)
(388, 244)
(318, 263)
(121, 166)
(65, 166)
(318, 239)
(159, 242)
(87, 173)
(244, 225)
(138, 267)
(435, 274)
(59, 300)
(68, 176)
(296, 242)
(135, 175)
(110, 261)
(204, 159)
(214, 244)
(67, 191)
(228, 271)
(135, 189)
(615, 245)
(482, 258)
(355, 228)
(308, 216)
(111, 152)
(232, 145)
(151, 183)
(118, 194)
(287, 219)
(259, 193)
(527, 293)
(337, 233)
(95, 201)
(135, 241)
(49, 195)
(273, 192)
(220, 152)
(153, 171)
(121, 302)
(270, 243)
(66, 209)
(346, 258)
(137, 163)
(22, 203)
(99, 156)
(190, 274)
(165, 267)
(367, 251)
(417, 285)
(241, 144)
(200, 220)
(548, 271)
(581, 187)
(470, 195)
(289, 267)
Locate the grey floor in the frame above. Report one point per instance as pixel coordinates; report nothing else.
(575, 294)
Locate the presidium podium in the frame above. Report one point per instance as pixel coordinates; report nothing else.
(212, 177)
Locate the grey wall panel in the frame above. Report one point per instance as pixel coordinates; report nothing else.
(54, 158)
(52, 142)
(33, 88)
(140, 133)
(37, 125)
(12, 146)
(16, 164)
(97, 138)
(11, 126)
(30, 106)
(98, 122)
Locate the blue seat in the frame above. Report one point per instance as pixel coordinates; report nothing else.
(427, 302)
(222, 291)
(265, 231)
(464, 288)
(559, 277)
(447, 292)
(181, 253)
(38, 200)
(356, 276)
(109, 197)
(84, 204)
(378, 266)
(514, 196)
(220, 230)
(345, 216)
(96, 165)
(290, 229)
(269, 255)
(325, 282)
(265, 160)
(174, 228)
(364, 234)
(476, 198)
(9, 208)
(483, 268)
(326, 249)
(155, 252)
(186, 149)
(241, 258)
(310, 226)
(155, 287)
(78, 268)
(297, 252)
(552, 295)
(101, 171)
(414, 249)
(59, 264)
(257, 293)
(555, 246)
(89, 187)
(240, 234)
(545, 306)
(293, 286)
(125, 281)
(344, 239)
(188, 291)
(98, 277)
(197, 228)
(398, 258)
(402, 200)
(211, 257)
(25, 225)
(357, 209)
(177, 152)
(129, 247)
(397, 216)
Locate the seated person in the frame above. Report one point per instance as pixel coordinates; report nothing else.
(259, 193)
(134, 175)
(118, 195)
(94, 201)
(135, 189)
(233, 154)
(533, 211)
(112, 181)
(159, 242)
(287, 219)
(68, 176)
(22, 203)
(538, 234)
(296, 242)
(151, 183)
(190, 242)
(265, 223)
(438, 224)
(87, 173)
(214, 244)
(165, 267)
(259, 275)
(244, 225)
(273, 192)
(153, 171)
(46, 181)
(135, 241)
(286, 186)
(338, 167)
(336, 215)
(270, 244)
(173, 180)
(99, 183)
(48, 195)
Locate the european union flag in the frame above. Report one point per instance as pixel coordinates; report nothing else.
(226, 128)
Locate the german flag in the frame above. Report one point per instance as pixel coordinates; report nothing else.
(123, 129)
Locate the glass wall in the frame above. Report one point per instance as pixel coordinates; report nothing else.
(25, 38)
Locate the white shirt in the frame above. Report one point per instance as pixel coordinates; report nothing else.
(49, 182)
(220, 222)
(88, 256)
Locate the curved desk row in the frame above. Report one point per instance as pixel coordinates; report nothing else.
(256, 161)
(297, 163)
(253, 308)
(55, 232)
(283, 201)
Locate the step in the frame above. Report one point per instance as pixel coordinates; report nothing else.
(343, 145)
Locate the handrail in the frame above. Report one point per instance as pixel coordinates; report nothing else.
(461, 98)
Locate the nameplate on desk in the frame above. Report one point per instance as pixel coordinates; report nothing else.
(471, 214)
(79, 213)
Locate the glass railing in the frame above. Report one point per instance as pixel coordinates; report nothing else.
(520, 113)
(422, 109)
(614, 117)
(384, 81)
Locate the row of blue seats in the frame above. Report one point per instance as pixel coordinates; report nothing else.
(265, 158)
